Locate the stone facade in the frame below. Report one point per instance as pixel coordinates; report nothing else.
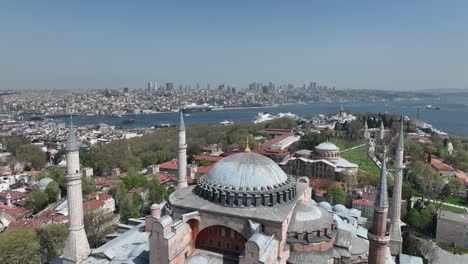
(452, 228)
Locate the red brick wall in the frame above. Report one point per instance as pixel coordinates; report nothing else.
(220, 239)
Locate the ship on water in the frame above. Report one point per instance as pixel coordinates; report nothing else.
(197, 108)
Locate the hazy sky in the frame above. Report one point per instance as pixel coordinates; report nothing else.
(347, 44)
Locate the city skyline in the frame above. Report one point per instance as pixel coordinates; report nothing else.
(359, 45)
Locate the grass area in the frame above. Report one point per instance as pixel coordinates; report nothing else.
(456, 200)
(359, 156)
(345, 144)
(454, 250)
(453, 209)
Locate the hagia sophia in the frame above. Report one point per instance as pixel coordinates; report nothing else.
(245, 210)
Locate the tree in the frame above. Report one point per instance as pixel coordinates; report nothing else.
(335, 194)
(19, 246)
(37, 200)
(52, 190)
(457, 187)
(32, 155)
(97, 224)
(52, 240)
(89, 185)
(132, 181)
(157, 192)
(57, 174)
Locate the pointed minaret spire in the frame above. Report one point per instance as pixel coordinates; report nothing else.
(181, 154)
(395, 229)
(76, 245)
(382, 130)
(378, 238)
(366, 130)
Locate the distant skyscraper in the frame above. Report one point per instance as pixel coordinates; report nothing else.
(150, 86)
(169, 86)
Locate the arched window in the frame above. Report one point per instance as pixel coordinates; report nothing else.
(219, 243)
(228, 246)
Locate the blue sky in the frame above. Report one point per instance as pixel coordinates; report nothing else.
(347, 44)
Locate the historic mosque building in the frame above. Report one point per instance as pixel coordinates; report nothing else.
(245, 210)
(248, 210)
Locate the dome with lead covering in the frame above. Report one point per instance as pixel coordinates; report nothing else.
(246, 179)
(247, 170)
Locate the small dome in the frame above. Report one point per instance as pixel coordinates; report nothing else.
(327, 146)
(325, 205)
(42, 184)
(339, 208)
(247, 170)
(308, 217)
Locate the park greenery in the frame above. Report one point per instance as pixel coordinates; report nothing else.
(335, 195)
(32, 246)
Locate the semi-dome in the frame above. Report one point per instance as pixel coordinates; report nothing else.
(246, 171)
(308, 217)
(339, 208)
(325, 205)
(246, 179)
(327, 146)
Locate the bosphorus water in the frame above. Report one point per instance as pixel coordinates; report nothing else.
(451, 118)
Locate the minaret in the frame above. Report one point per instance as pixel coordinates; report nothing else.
(366, 130)
(182, 154)
(382, 130)
(378, 238)
(76, 245)
(8, 200)
(395, 229)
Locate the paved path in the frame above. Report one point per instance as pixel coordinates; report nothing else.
(415, 198)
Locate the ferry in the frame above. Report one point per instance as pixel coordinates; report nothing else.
(197, 108)
(129, 121)
(263, 117)
(430, 107)
(226, 123)
(164, 125)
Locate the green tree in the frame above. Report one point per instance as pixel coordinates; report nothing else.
(205, 163)
(32, 155)
(97, 224)
(37, 200)
(457, 186)
(335, 194)
(132, 181)
(157, 192)
(19, 246)
(88, 185)
(52, 190)
(52, 240)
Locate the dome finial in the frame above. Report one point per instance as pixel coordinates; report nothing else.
(247, 149)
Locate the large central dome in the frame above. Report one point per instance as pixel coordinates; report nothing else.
(246, 179)
(246, 171)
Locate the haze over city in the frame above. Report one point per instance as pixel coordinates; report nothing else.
(346, 44)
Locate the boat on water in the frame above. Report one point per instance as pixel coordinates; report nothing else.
(197, 108)
(287, 115)
(129, 121)
(263, 117)
(226, 123)
(430, 107)
(163, 125)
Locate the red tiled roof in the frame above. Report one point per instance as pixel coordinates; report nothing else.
(363, 202)
(439, 165)
(92, 205)
(277, 139)
(204, 169)
(104, 181)
(162, 177)
(33, 173)
(5, 172)
(15, 195)
(267, 152)
(169, 165)
(462, 176)
(207, 157)
(17, 212)
(324, 183)
(266, 130)
(95, 195)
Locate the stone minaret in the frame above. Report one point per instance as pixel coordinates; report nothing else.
(395, 229)
(8, 200)
(366, 130)
(76, 245)
(181, 154)
(382, 130)
(378, 238)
